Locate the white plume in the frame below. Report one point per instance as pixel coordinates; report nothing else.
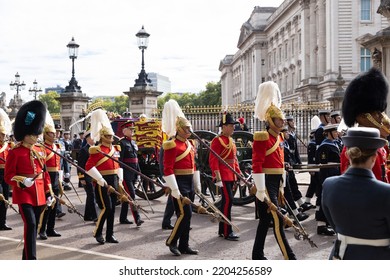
(170, 113)
(267, 94)
(315, 122)
(99, 119)
(5, 122)
(342, 126)
(49, 119)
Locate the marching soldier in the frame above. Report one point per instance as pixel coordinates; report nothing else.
(179, 168)
(53, 165)
(86, 181)
(129, 156)
(25, 172)
(325, 120)
(268, 169)
(365, 103)
(327, 152)
(356, 204)
(105, 172)
(224, 146)
(5, 129)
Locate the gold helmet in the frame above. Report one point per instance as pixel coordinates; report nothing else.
(173, 118)
(268, 102)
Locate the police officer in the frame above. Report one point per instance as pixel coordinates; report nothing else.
(129, 156)
(356, 204)
(268, 169)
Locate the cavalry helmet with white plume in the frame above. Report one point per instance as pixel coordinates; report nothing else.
(49, 124)
(100, 125)
(268, 102)
(173, 118)
(5, 123)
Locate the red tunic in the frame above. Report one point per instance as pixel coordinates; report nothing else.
(226, 148)
(179, 157)
(26, 160)
(267, 153)
(104, 164)
(377, 169)
(4, 150)
(53, 160)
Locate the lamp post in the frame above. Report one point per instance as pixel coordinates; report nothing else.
(35, 89)
(143, 40)
(17, 85)
(73, 49)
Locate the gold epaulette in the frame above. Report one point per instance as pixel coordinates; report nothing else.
(11, 145)
(94, 150)
(192, 141)
(170, 144)
(260, 136)
(17, 145)
(118, 147)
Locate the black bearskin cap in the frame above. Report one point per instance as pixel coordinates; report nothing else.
(366, 93)
(30, 119)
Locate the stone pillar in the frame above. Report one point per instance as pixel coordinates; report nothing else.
(321, 38)
(305, 37)
(313, 40)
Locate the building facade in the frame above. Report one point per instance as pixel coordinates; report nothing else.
(160, 82)
(302, 45)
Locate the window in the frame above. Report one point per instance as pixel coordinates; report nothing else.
(365, 59)
(365, 10)
(292, 46)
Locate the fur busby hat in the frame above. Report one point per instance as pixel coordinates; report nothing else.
(366, 93)
(227, 119)
(30, 119)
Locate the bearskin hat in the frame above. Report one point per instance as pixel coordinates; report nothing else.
(30, 119)
(366, 93)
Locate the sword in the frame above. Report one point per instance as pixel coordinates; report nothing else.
(7, 203)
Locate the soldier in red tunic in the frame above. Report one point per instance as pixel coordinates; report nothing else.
(25, 172)
(179, 168)
(105, 172)
(365, 103)
(268, 169)
(224, 146)
(53, 165)
(5, 130)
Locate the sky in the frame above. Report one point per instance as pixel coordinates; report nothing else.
(188, 39)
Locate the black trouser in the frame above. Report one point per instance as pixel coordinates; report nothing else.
(181, 230)
(128, 179)
(90, 202)
(294, 185)
(106, 203)
(314, 181)
(226, 207)
(48, 218)
(30, 216)
(168, 213)
(4, 189)
(272, 183)
(288, 194)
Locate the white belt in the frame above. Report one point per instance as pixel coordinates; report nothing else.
(349, 240)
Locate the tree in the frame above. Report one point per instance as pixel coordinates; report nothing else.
(209, 97)
(53, 105)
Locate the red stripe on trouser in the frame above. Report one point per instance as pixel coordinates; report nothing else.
(226, 209)
(134, 214)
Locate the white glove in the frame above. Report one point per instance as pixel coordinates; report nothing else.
(259, 179)
(219, 184)
(120, 175)
(60, 175)
(197, 181)
(172, 184)
(28, 182)
(67, 175)
(50, 201)
(281, 188)
(95, 174)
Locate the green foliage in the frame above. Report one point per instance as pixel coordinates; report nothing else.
(209, 97)
(53, 105)
(117, 104)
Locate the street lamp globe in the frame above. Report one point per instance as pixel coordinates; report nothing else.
(143, 38)
(73, 49)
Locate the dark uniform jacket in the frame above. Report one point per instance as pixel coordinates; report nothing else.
(129, 153)
(357, 205)
(328, 152)
(293, 147)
